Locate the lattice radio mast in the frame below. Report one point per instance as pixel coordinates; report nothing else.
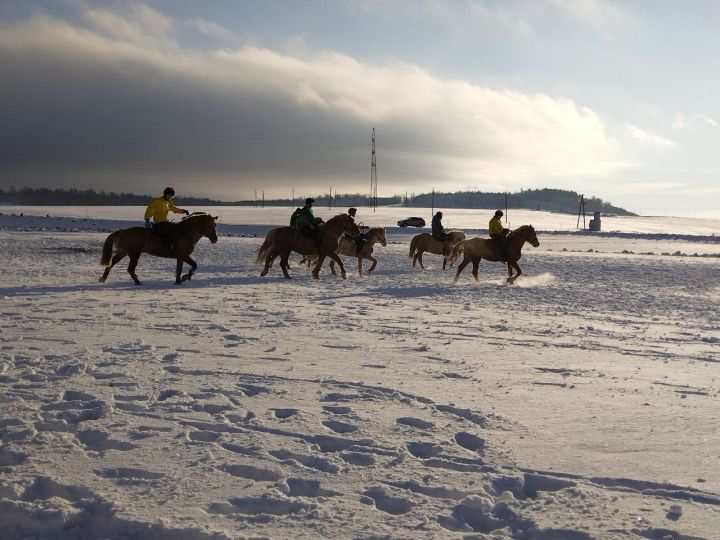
(373, 173)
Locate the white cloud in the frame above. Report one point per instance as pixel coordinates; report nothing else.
(139, 24)
(706, 120)
(212, 29)
(648, 137)
(682, 121)
(592, 11)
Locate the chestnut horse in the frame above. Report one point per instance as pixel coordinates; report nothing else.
(348, 247)
(287, 239)
(427, 242)
(476, 249)
(136, 240)
(269, 240)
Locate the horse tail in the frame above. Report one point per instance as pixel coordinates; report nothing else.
(107, 251)
(414, 245)
(456, 250)
(263, 251)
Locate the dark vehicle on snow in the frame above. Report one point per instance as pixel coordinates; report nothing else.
(412, 222)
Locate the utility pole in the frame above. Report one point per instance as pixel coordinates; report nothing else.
(330, 200)
(432, 212)
(506, 216)
(263, 198)
(373, 173)
(581, 210)
(256, 198)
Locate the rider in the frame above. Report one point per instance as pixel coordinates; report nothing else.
(499, 234)
(158, 210)
(438, 231)
(361, 239)
(304, 220)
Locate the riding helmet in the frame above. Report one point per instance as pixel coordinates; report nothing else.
(309, 200)
(352, 211)
(169, 191)
(499, 213)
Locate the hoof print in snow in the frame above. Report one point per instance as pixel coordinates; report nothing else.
(388, 503)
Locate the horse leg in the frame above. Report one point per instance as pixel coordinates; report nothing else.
(420, 254)
(334, 257)
(332, 268)
(284, 264)
(134, 258)
(511, 279)
(444, 262)
(476, 266)
(318, 266)
(116, 259)
(374, 263)
(178, 271)
(193, 267)
(461, 268)
(360, 265)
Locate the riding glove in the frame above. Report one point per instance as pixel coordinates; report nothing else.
(148, 225)
(187, 212)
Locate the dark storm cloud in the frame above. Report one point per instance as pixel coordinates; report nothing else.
(121, 106)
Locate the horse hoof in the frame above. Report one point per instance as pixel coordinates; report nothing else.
(138, 283)
(178, 282)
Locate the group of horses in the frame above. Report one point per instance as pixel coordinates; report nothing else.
(332, 238)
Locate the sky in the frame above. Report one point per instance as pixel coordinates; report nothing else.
(228, 98)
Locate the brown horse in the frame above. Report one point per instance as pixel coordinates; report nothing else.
(288, 239)
(269, 240)
(348, 247)
(136, 240)
(427, 242)
(476, 249)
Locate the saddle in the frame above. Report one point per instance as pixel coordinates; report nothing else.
(167, 232)
(500, 241)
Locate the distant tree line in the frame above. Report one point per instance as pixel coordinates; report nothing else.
(551, 200)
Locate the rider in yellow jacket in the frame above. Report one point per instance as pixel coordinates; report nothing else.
(159, 208)
(497, 232)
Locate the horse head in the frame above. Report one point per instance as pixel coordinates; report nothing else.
(203, 223)
(378, 235)
(212, 232)
(527, 233)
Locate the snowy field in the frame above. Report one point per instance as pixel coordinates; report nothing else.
(581, 403)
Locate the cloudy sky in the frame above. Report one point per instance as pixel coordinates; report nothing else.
(224, 97)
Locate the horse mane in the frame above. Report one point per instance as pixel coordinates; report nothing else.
(336, 216)
(521, 230)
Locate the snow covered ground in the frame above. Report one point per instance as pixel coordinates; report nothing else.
(580, 403)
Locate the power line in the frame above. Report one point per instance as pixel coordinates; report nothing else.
(373, 173)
